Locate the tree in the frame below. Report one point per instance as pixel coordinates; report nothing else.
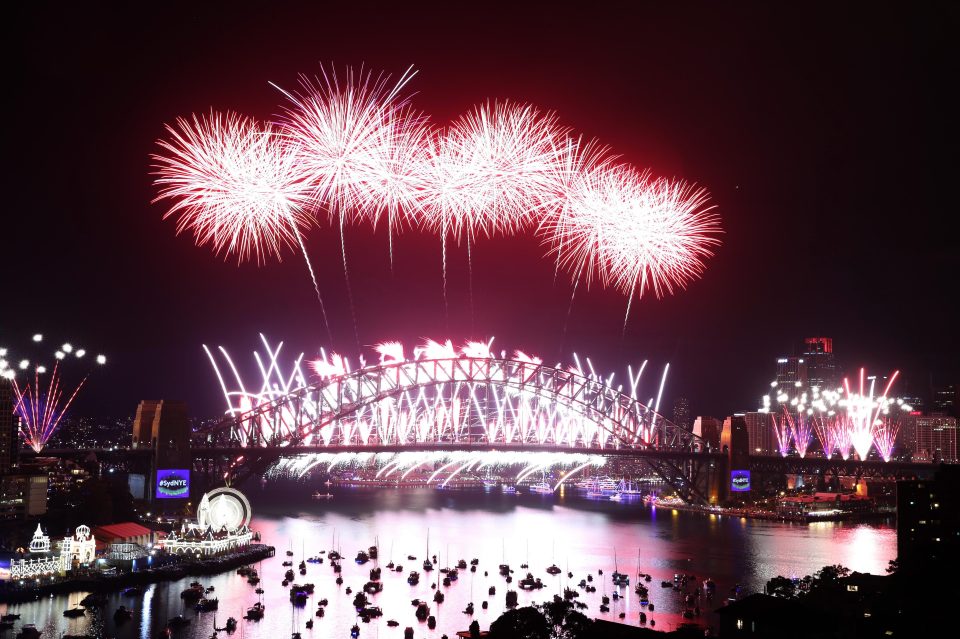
(782, 587)
(521, 623)
(567, 622)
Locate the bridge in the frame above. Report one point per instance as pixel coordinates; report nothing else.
(456, 403)
(468, 403)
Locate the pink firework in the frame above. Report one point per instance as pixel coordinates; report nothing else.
(635, 233)
(828, 433)
(495, 169)
(39, 410)
(781, 431)
(232, 184)
(357, 143)
(863, 410)
(885, 436)
(801, 430)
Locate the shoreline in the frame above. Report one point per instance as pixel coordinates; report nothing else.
(253, 553)
(745, 513)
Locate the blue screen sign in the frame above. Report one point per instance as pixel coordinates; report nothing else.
(173, 484)
(740, 481)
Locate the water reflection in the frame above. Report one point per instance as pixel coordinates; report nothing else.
(577, 535)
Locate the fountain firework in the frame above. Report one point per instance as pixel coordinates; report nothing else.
(40, 404)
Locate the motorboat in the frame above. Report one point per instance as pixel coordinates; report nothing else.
(413, 578)
(541, 488)
(362, 557)
(122, 614)
(554, 569)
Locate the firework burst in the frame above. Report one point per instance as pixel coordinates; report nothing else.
(233, 184)
(40, 404)
(634, 233)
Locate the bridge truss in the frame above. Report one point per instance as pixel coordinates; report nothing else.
(457, 402)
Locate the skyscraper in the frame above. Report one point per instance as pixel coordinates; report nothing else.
(791, 370)
(936, 438)
(820, 363)
(681, 413)
(760, 433)
(9, 438)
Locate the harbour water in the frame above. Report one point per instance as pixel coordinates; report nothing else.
(578, 535)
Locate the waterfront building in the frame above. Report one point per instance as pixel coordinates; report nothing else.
(40, 544)
(759, 615)
(823, 504)
(80, 549)
(934, 437)
(928, 520)
(223, 525)
(760, 433)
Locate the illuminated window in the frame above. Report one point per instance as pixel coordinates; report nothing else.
(739, 624)
(852, 588)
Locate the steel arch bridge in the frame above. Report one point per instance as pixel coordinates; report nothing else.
(458, 403)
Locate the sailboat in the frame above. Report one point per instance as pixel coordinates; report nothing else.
(619, 578)
(427, 565)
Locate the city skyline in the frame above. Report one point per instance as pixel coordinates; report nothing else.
(814, 242)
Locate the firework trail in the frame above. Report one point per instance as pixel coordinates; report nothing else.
(355, 144)
(39, 406)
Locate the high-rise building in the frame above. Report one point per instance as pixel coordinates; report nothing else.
(760, 433)
(791, 370)
(9, 437)
(935, 436)
(681, 413)
(820, 363)
(945, 399)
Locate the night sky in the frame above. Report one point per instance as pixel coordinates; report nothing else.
(826, 137)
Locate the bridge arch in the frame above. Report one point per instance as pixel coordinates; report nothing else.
(454, 401)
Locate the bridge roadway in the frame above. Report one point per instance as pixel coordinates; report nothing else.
(758, 463)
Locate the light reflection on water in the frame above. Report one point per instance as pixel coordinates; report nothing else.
(575, 534)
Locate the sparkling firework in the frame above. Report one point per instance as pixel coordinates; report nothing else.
(443, 405)
(41, 404)
(634, 233)
(792, 416)
(233, 184)
(446, 465)
(495, 169)
(356, 149)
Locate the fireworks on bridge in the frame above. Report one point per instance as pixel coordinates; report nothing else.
(354, 148)
(43, 395)
(438, 394)
(444, 467)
